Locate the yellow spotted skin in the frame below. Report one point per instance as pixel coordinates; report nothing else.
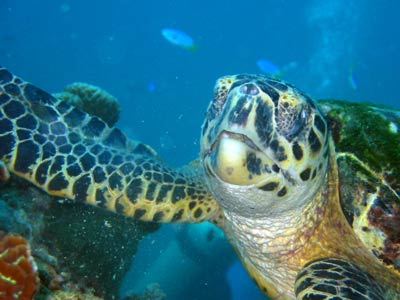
(70, 154)
(268, 175)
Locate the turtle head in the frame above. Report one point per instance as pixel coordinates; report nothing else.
(264, 145)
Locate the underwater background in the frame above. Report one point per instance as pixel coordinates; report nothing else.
(329, 49)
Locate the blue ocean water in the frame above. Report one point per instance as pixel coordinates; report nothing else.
(330, 49)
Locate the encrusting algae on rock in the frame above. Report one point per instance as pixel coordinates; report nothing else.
(66, 295)
(369, 131)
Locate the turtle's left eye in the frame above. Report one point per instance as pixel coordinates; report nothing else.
(299, 122)
(292, 122)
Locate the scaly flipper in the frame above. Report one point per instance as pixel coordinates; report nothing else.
(70, 154)
(335, 279)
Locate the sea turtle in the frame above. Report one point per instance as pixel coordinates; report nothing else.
(307, 194)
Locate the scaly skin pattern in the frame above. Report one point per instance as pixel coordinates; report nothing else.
(269, 178)
(69, 154)
(274, 250)
(271, 164)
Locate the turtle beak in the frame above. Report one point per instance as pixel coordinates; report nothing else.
(236, 159)
(241, 138)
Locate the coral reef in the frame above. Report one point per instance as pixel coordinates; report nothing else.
(96, 245)
(152, 292)
(93, 100)
(77, 248)
(81, 252)
(67, 295)
(18, 278)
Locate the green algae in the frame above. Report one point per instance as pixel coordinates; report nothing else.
(370, 132)
(367, 141)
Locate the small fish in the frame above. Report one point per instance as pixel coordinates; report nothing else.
(268, 67)
(352, 78)
(179, 38)
(151, 86)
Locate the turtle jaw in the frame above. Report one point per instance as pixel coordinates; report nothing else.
(226, 134)
(235, 159)
(244, 178)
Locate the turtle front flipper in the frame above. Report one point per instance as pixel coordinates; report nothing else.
(70, 154)
(335, 279)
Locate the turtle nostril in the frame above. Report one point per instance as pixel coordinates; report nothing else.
(249, 89)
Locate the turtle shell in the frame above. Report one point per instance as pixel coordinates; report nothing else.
(367, 141)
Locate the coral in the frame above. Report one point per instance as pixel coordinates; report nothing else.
(152, 292)
(12, 220)
(388, 220)
(18, 279)
(77, 247)
(66, 295)
(95, 246)
(93, 100)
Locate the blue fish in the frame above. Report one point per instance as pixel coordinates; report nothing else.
(352, 78)
(268, 67)
(179, 38)
(151, 86)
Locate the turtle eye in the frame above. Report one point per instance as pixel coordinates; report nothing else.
(299, 122)
(292, 122)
